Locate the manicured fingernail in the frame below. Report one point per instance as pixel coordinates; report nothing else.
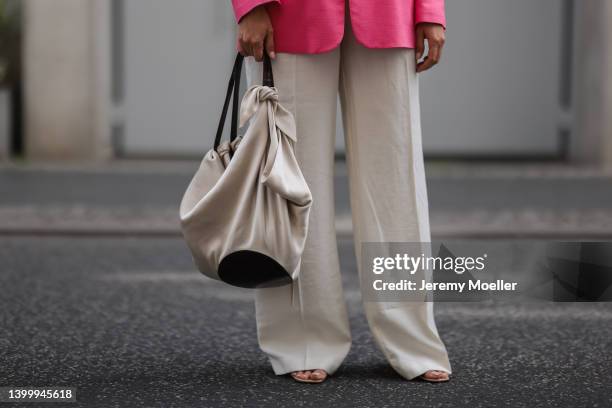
(272, 54)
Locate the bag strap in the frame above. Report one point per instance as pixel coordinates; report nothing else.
(268, 78)
(228, 95)
(233, 92)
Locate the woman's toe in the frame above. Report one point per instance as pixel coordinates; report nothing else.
(318, 375)
(302, 375)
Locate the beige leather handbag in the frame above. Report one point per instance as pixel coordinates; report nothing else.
(245, 213)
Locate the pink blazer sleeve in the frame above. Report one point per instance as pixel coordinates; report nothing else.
(242, 7)
(429, 11)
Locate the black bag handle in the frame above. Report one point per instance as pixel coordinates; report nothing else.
(233, 92)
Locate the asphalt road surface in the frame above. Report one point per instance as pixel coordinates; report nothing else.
(130, 323)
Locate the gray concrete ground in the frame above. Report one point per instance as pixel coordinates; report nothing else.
(128, 321)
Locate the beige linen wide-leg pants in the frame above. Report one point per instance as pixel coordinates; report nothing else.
(305, 325)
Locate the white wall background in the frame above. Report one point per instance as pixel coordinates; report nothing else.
(496, 91)
(178, 55)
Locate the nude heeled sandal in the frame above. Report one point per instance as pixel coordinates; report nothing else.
(435, 380)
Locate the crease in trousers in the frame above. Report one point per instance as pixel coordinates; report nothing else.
(305, 326)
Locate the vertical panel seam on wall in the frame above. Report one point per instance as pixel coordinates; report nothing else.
(117, 83)
(117, 44)
(100, 19)
(93, 72)
(565, 95)
(567, 54)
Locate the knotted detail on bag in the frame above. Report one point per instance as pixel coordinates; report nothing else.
(280, 171)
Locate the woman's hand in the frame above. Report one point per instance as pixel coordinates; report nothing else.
(435, 36)
(255, 33)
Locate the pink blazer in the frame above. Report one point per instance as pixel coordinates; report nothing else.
(315, 26)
